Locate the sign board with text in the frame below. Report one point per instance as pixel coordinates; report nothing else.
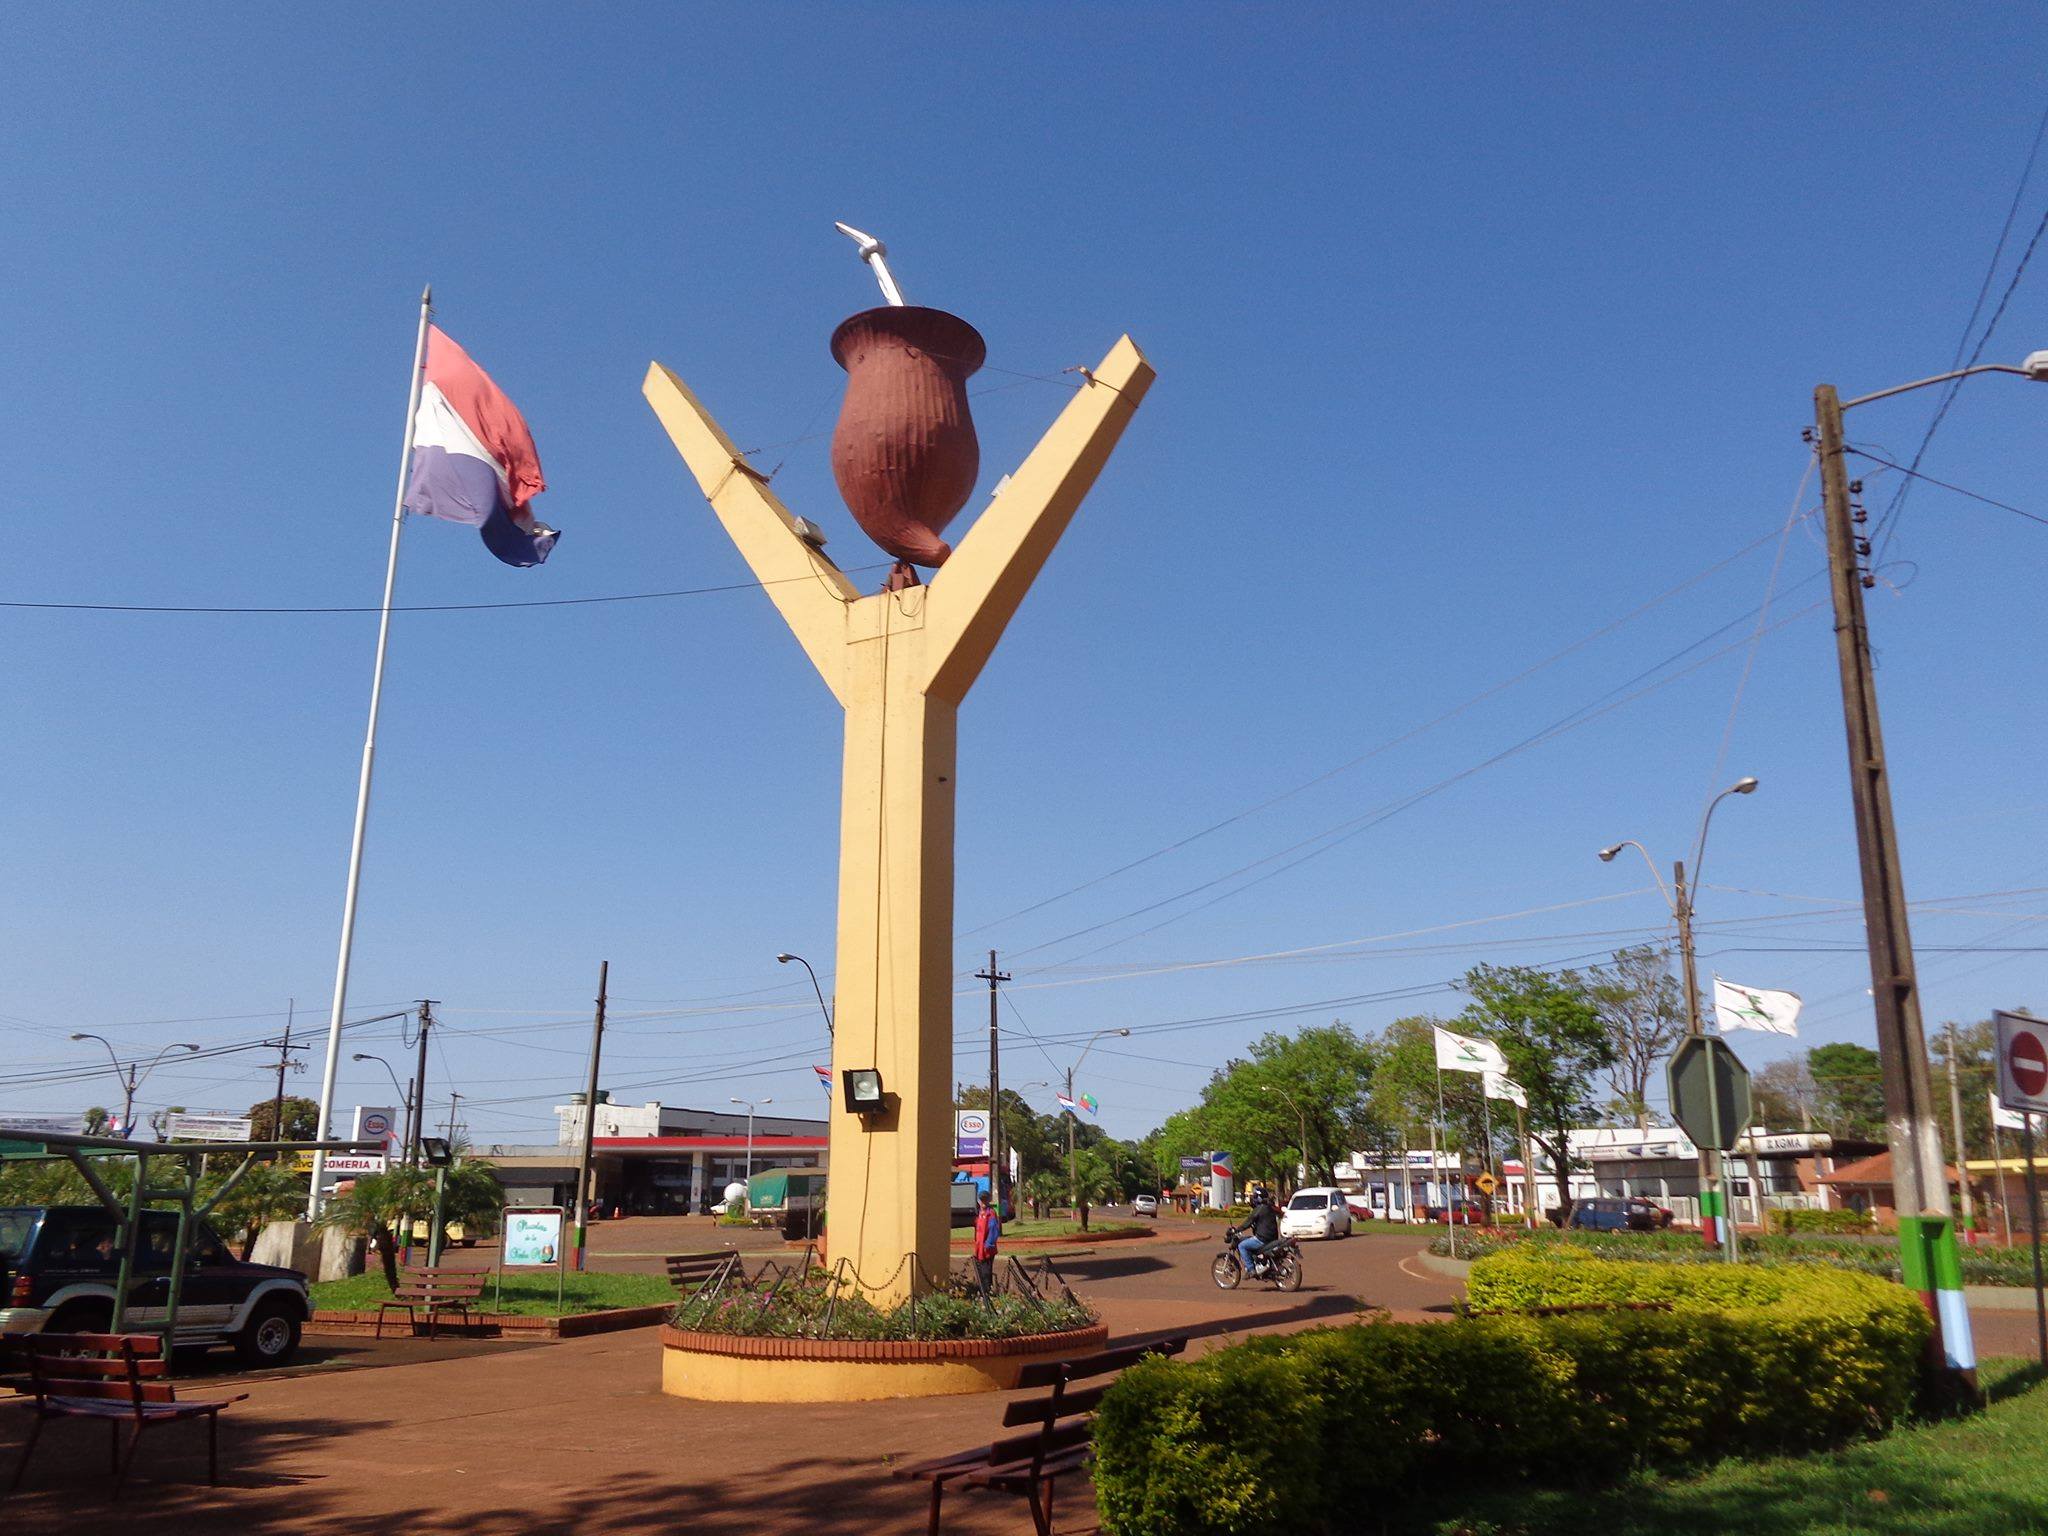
(376, 1123)
(207, 1127)
(533, 1236)
(970, 1133)
(2022, 1048)
(349, 1165)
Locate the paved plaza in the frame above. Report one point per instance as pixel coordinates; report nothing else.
(483, 1437)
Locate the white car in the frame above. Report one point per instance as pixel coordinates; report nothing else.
(1146, 1205)
(1320, 1212)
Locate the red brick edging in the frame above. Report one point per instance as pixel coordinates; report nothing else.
(503, 1325)
(884, 1351)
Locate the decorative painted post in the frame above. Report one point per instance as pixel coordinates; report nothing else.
(900, 662)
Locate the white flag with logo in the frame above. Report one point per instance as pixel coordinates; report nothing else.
(2004, 1119)
(1498, 1085)
(1775, 1013)
(1462, 1053)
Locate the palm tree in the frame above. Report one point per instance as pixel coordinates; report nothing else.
(266, 1193)
(376, 1205)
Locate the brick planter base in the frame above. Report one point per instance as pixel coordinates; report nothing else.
(731, 1368)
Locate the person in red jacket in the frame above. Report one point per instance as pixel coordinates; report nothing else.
(988, 1231)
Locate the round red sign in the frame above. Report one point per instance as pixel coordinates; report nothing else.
(2028, 1059)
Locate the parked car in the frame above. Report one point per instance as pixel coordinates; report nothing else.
(1320, 1212)
(1146, 1205)
(1465, 1213)
(1613, 1214)
(60, 1264)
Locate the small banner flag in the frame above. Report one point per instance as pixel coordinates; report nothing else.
(473, 459)
(1498, 1085)
(2006, 1119)
(1775, 1013)
(1462, 1053)
(1090, 1103)
(824, 1078)
(1065, 1102)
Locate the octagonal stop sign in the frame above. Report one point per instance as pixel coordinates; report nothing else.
(1709, 1091)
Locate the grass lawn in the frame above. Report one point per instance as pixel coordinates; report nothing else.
(532, 1294)
(1983, 1476)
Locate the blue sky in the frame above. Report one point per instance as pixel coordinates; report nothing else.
(1476, 332)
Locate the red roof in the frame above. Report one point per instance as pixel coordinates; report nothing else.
(763, 1145)
(1872, 1171)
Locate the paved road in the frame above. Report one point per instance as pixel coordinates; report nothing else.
(495, 1439)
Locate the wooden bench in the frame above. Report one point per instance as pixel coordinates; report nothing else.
(436, 1291)
(686, 1271)
(1062, 1439)
(116, 1377)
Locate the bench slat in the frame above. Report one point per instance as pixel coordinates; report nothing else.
(1041, 1410)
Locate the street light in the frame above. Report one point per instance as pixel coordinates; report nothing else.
(1680, 900)
(1073, 1183)
(1290, 1098)
(132, 1079)
(404, 1093)
(784, 959)
(750, 1134)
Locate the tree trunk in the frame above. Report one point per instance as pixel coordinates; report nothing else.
(1082, 1212)
(387, 1252)
(1561, 1170)
(249, 1237)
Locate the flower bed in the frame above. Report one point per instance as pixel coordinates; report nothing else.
(813, 1312)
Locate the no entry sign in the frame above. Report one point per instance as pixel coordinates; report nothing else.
(2022, 1062)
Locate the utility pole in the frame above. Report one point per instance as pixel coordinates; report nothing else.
(604, 973)
(1929, 1260)
(452, 1097)
(1955, 1110)
(284, 1056)
(996, 978)
(1716, 1222)
(1073, 1183)
(416, 1111)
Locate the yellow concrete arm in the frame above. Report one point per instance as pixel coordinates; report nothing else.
(809, 591)
(977, 591)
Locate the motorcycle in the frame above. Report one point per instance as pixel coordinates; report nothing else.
(1278, 1263)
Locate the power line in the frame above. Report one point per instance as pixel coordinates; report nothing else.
(550, 602)
(1989, 501)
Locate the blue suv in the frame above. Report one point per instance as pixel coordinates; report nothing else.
(1613, 1214)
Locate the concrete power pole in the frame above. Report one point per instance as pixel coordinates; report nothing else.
(994, 978)
(1955, 1109)
(416, 1111)
(1929, 1260)
(604, 975)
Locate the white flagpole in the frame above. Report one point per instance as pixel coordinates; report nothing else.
(355, 852)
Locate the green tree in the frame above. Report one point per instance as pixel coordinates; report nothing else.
(267, 1192)
(378, 1205)
(1782, 1094)
(1848, 1082)
(1642, 1008)
(96, 1120)
(301, 1120)
(1976, 1072)
(1094, 1182)
(1043, 1189)
(1550, 1030)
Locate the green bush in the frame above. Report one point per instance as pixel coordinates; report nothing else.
(808, 1311)
(1981, 1265)
(1237, 1213)
(1833, 1222)
(1297, 1433)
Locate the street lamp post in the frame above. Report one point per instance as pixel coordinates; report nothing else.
(1929, 1260)
(750, 1135)
(133, 1078)
(786, 958)
(1073, 1119)
(1716, 1224)
(1290, 1098)
(405, 1094)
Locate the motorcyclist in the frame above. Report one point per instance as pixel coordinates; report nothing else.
(1261, 1229)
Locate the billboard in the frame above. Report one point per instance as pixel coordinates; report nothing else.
(183, 1127)
(377, 1124)
(970, 1133)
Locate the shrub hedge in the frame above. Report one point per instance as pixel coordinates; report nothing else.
(1306, 1432)
(1833, 1222)
(1981, 1265)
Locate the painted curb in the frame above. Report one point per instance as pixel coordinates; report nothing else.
(501, 1325)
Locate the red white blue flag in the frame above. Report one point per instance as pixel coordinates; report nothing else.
(824, 1077)
(473, 459)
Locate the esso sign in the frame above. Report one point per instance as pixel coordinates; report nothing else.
(2022, 1046)
(376, 1126)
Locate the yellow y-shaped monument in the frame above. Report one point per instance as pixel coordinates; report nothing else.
(899, 663)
